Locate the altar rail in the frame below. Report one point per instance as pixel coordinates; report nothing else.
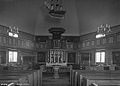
(94, 78)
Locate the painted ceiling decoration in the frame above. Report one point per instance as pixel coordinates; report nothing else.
(56, 8)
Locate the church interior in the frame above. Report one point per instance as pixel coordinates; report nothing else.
(59, 43)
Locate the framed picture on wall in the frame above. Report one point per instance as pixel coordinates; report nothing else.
(28, 59)
(71, 57)
(116, 57)
(85, 58)
(41, 56)
(3, 57)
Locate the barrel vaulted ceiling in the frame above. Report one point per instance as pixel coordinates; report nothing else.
(82, 16)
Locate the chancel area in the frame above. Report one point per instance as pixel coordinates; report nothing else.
(59, 43)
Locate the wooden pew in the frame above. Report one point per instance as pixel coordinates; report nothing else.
(73, 77)
(106, 83)
(17, 78)
(34, 77)
(80, 74)
(17, 73)
(101, 82)
(99, 78)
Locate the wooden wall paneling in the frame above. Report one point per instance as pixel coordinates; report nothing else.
(75, 45)
(25, 43)
(41, 56)
(79, 45)
(37, 46)
(22, 43)
(14, 42)
(0, 39)
(104, 41)
(97, 41)
(4, 30)
(28, 44)
(110, 40)
(4, 40)
(69, 45)
(10, 41)
(118, 37)
(83, 44)
(71, 57)
(33, 44)
(35, 78)
(31, 81)
(85, 58)
(87, 43)
(92, 43)
(24, 35)
(19, 43)
(0, 29)
(115, 57)
(2, 57)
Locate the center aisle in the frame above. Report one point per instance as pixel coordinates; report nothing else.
(48, 80)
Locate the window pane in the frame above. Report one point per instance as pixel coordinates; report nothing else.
(15, 35)
(15, 56)
(12, 56)
(10, 34)
(97, 56)
(102, 56)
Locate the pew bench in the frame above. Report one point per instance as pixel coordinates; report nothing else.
(33, 78)
(77, 77)
(105, 83)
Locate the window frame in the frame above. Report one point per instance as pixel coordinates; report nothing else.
(14, 57)
(100, 60)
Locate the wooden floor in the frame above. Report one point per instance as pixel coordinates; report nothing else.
(49, 80)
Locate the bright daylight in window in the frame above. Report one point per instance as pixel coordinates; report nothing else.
(13, 35)
(100, 57)
(13, 56)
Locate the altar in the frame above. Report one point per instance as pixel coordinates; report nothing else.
(56, 57)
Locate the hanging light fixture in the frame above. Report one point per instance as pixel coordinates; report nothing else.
(103, 30)
(13, 31)
(55, 8)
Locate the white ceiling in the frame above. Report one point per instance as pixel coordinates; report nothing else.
(83, 16)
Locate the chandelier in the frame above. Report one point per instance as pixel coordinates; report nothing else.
(55, 8)
(103, 30)
(13, 31)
